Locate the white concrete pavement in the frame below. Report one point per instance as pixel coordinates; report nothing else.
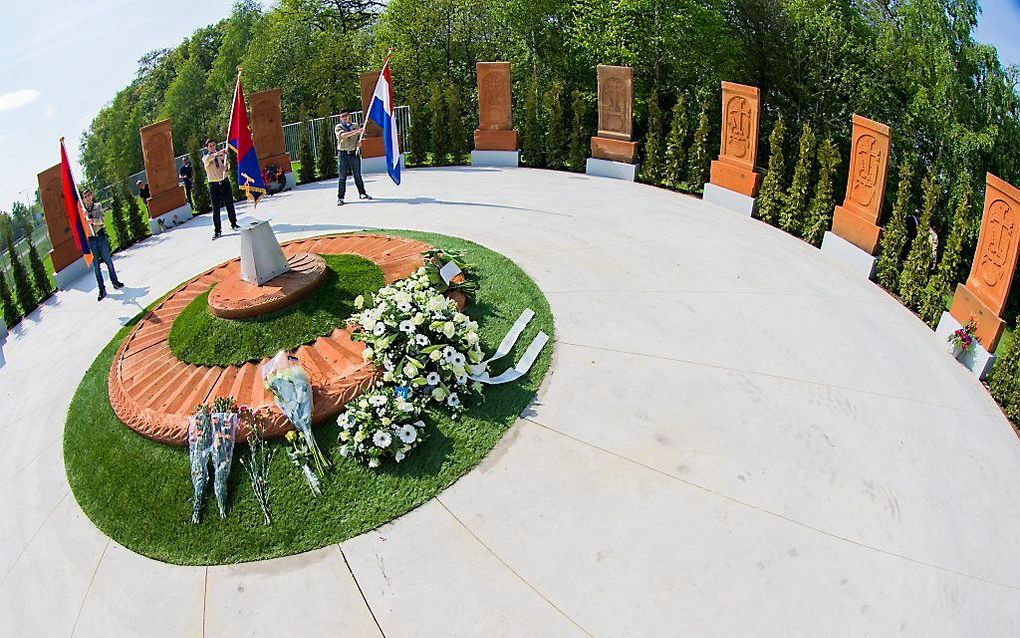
(737, 438)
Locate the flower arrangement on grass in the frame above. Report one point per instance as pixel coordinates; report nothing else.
(260, 456)
(962, 339)
(423, 344)
(211, 433)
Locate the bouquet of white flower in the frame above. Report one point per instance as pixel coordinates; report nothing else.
(211, 434)
(437, 259)
(384, 422)
(200, 435)
(421, 341)
(288, 382)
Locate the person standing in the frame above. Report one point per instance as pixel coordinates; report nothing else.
(99, 241)
(186, 175)
(143, 191)
(219, 186)
(348, 141)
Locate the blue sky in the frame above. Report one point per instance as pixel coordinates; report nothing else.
(62, 60)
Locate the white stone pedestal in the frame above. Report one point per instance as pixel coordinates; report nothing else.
(183, 214)
(978, 360)
(730, 200)
(848, 254)
(608, 168)
(68, 275)
(261, 255)
(291, 181)
(377, 164)
(495, 158)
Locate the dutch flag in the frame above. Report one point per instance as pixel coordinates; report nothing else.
(381, 112)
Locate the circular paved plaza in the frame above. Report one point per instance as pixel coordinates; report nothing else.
(736, 438)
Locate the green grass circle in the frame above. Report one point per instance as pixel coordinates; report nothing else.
(138, 492)
(201, 338)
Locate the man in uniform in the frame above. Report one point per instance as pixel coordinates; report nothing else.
(219, 186)
(348, 139)
(186, 175)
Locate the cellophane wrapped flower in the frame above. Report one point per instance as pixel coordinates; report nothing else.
(211, 433)
(383, 423)
(200, 435)
(436, 258)
(421, 341)
(260, 456)
(289, 384)
(300, 456)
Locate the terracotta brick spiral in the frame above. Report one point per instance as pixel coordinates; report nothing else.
(154, 393)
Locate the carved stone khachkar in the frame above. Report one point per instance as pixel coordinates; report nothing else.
(616, 104)
(983, 297)
(372, 142)
(267, 132)
(495, 137)
(735, 169)
(167, 203)
(857, 219)
(68, 263)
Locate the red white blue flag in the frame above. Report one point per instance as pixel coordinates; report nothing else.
(249, 174)
(75, 216)
(381, 112)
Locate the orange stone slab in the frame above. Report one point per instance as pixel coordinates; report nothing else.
(736, 169)
(51, 193)
(616, 102)
(614, 150)
(495, 140)
(234, 298)
(855, 229)
(154, 394)
(267, 129)
(991, 275)
(494, 96)
(160, 168)
(372, 147)
(368, 82)
(857, 219)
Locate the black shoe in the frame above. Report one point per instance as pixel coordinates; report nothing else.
(339, 202)
(102, 295)
(215, 236)
(118, 285)
(364, 196)
(234, 226)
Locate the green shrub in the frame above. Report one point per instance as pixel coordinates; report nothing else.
(455, 122)
(40, 278)
(917, 268)
(820, 212)
(894, 235)
(120, 223)
(305, 153)
(676, 156)
(137, 215)
(440, 124)
(22, 286)
(933, 301)
(417, 135)
(793, 216)
(531, 149)
(11, 315)
(555, 129)
(1002, 382)
(580, 136)
(199, 186)
(697, 167)
(771, 198)
(651, 167)
(326, 162)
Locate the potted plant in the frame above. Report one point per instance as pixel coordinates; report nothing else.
(962, 340)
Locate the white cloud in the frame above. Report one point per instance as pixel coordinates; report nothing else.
(18, 99)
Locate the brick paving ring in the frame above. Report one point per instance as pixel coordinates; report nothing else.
(154, 393)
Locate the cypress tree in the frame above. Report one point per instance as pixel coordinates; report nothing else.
(771, 198)
(916, 270)
(305, 153)
(673, 171)
(894, 235)
(22, 287)
(418, 135)
(820, 211)
(326, 162)
(532, 152)
(652, 168)
(11, 315)
(580, 140)
(39, 277)
(1002, 382)
(440, 124)
(456, 130)
(697, 168)
(933, 302)
(137, 224)
(793, 216)
(199, 186)
(120, 224)
(555, 133)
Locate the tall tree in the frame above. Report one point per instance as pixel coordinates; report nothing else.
(580, 140)
(555, 127)
(40, 279)
(651, 168)
(794, 212)
(697, 165)
(771, 198)
(326, 161)
(894, 236)
(455, 124)
(10, 310)
(820, 211)
(936, 292)
(22, 286)
(533, 151)
(305, 153)
(440, 127)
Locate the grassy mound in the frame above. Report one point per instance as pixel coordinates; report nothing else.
(139, 492)
(201, 338)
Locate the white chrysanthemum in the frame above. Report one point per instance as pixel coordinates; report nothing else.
(432, 378)
(344, 420)
(448, 353)
(436, 303)
(462, 379)
(408, 434)
(421, 340)
(379, 329)
(404, 306)
(453, 400)
(377, 400)
(457, 359)
(407, 326)
(382, 439)
(471, 338)
(359, 302)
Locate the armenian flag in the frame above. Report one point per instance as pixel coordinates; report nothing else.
(75, 216)
(249, 173)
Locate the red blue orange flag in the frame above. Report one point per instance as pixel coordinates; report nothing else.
(75, 216)
(249, 173)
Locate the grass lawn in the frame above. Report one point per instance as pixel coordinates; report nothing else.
(201, 338)
(139, 492)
